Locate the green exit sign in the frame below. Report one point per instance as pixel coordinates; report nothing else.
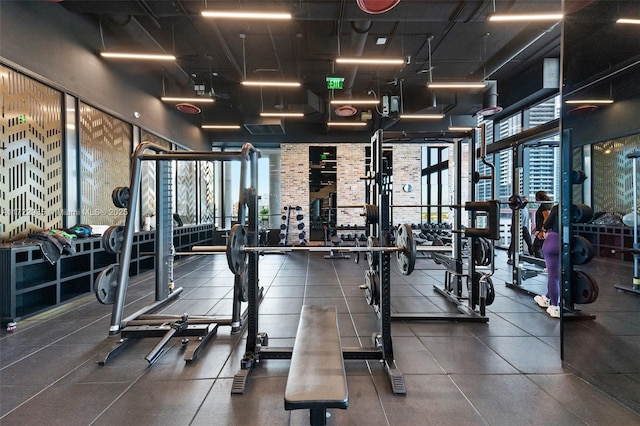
(335, 82)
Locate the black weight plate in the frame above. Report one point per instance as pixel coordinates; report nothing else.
(236, 256)
(112, 239)
(478, 251)
(582, 250)
(241, 286)
(406, 256)
(120, 197)
(491, 292)
(372, 257)
(299, 217)
(594, 289)
(488, 252)
(582, 290)
(106, 284)
(581, 213)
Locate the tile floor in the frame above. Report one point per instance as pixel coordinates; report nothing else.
(504, 372)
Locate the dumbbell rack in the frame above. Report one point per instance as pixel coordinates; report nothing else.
(284, 226)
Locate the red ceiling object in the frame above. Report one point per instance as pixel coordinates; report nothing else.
(582, 109)
(377, 6)
(345, 111)
(188, 108)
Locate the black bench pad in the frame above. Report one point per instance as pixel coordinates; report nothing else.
(317, 379)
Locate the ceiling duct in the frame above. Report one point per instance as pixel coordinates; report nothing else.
(265, 126)
(359, 32)
(490, 100)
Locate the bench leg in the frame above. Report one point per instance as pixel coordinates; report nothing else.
(318, 416)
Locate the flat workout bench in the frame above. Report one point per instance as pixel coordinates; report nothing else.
(317, 379)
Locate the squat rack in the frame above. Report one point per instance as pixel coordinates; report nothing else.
(112, 283)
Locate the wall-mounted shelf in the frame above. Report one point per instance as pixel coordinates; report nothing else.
(608, 241)
(29, 284)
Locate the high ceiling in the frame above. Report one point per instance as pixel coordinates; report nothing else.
(439, 41)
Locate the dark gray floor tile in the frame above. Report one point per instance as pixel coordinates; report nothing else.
(585, 401)
(261, 405)
(172, 403)
(513, 399)
(529, 354)
(459, 354)
(430, 400)
(71, 404)
(412, 357)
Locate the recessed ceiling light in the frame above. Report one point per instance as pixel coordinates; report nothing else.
(355, 101)
(281, 114)
(460, 128)
(423, 116)
(519, 17)
(370, 61)
(143, 56)
(628, 21)
(271, 83)
(221, 126)
(589, 101)
(245, 15)
(194, 100)
(457, 85)
(347, 123)
(381, 40)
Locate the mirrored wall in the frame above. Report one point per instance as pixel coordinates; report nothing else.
(600, 112)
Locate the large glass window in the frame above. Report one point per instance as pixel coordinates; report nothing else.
(435, 184)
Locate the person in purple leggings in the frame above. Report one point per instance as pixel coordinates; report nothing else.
(551, 252)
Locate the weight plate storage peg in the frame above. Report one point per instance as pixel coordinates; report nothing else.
(112, 239)
(407, 256)
(120, 197)
(236, 255)
(106, 284)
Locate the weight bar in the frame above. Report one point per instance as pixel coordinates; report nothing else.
(237, 249)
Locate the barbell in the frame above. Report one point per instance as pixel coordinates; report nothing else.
(237, 249)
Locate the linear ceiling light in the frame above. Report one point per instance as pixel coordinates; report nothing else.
(259, 83)
(245, 15)
(221, 126)
(193, 100)
(281, 114)
(423, 116)
(589, 101)
(457, 85)
(460, 128)
(355, 102)
(370, 61)
(347, 123)
(519, 17)
(628, 21)
(144, 56)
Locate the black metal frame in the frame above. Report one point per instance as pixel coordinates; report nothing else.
(142, 324)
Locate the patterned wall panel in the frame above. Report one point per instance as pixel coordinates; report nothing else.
(186, 191)
(105, 150)
(207, 192)
(30, 156)
(613, 175)
(148, 178)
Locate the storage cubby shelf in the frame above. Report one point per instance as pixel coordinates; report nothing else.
(29, 284)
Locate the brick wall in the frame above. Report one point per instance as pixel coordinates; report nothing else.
(407, 169)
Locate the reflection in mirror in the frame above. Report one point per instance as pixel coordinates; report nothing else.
(322, 192)
(602, 63)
